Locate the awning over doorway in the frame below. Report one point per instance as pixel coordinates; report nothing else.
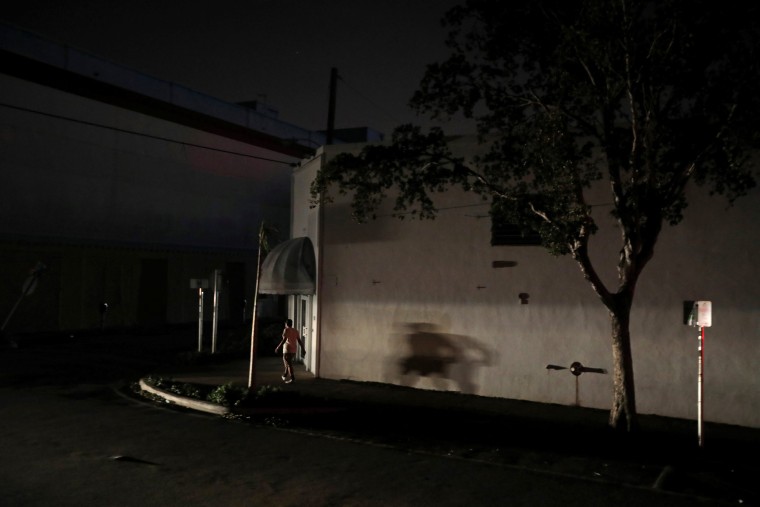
(290, 268)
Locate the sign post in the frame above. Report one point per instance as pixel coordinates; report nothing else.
(701, 317)
(200, 284)
(215, 317)
(200, 319)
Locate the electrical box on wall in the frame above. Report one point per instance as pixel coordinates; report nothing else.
(698, 313)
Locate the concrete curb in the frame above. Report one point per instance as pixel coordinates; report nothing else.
(214, 408)
(184, 401)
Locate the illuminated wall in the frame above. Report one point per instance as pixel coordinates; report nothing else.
(430, 304)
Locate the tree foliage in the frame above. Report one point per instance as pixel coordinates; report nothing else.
(642, 96)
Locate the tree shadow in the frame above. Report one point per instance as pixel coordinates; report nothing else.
(443, 357)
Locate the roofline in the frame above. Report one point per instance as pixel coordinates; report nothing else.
(28, 57)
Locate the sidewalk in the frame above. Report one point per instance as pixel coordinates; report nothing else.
(542, 437)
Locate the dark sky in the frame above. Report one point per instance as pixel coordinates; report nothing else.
(278, 51)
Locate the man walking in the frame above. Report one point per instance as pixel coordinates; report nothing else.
(289, 343)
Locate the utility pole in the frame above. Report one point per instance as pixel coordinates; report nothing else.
(263, 245)
(331, 105)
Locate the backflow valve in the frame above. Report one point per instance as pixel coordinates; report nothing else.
(576, 369)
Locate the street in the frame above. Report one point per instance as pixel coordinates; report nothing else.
(73, 436)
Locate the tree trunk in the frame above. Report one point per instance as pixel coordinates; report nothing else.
(623, 412)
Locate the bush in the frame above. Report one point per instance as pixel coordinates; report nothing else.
(228, 395)
(266, 391)
(188, 390)
(179, 388)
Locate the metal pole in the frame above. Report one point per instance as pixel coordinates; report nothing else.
(200, 319)
(700, 406)
(13, 310)
(251, 375)
(331, 106)
(28, 287)
(216, 311)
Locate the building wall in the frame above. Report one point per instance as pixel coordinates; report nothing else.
(420, 303)
(109, 199)
(305, 221)
(79, 279)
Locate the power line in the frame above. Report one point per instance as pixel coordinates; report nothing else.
(142, 134)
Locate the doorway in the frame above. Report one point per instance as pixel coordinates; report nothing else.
(302, 322)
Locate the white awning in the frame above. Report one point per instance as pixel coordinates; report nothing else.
(290, 268)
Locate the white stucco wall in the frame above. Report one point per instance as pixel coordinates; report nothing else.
(305, 222)
(389, 284)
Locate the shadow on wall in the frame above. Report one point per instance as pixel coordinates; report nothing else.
(446, 358)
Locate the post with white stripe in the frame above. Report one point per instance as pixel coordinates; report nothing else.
(701, 317)
(200, 284)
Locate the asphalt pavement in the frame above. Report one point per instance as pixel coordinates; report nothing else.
(567, 440)
(550, 440)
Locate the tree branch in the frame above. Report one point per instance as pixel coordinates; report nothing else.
(579, 251)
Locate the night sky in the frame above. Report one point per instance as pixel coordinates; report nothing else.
(276, 51)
